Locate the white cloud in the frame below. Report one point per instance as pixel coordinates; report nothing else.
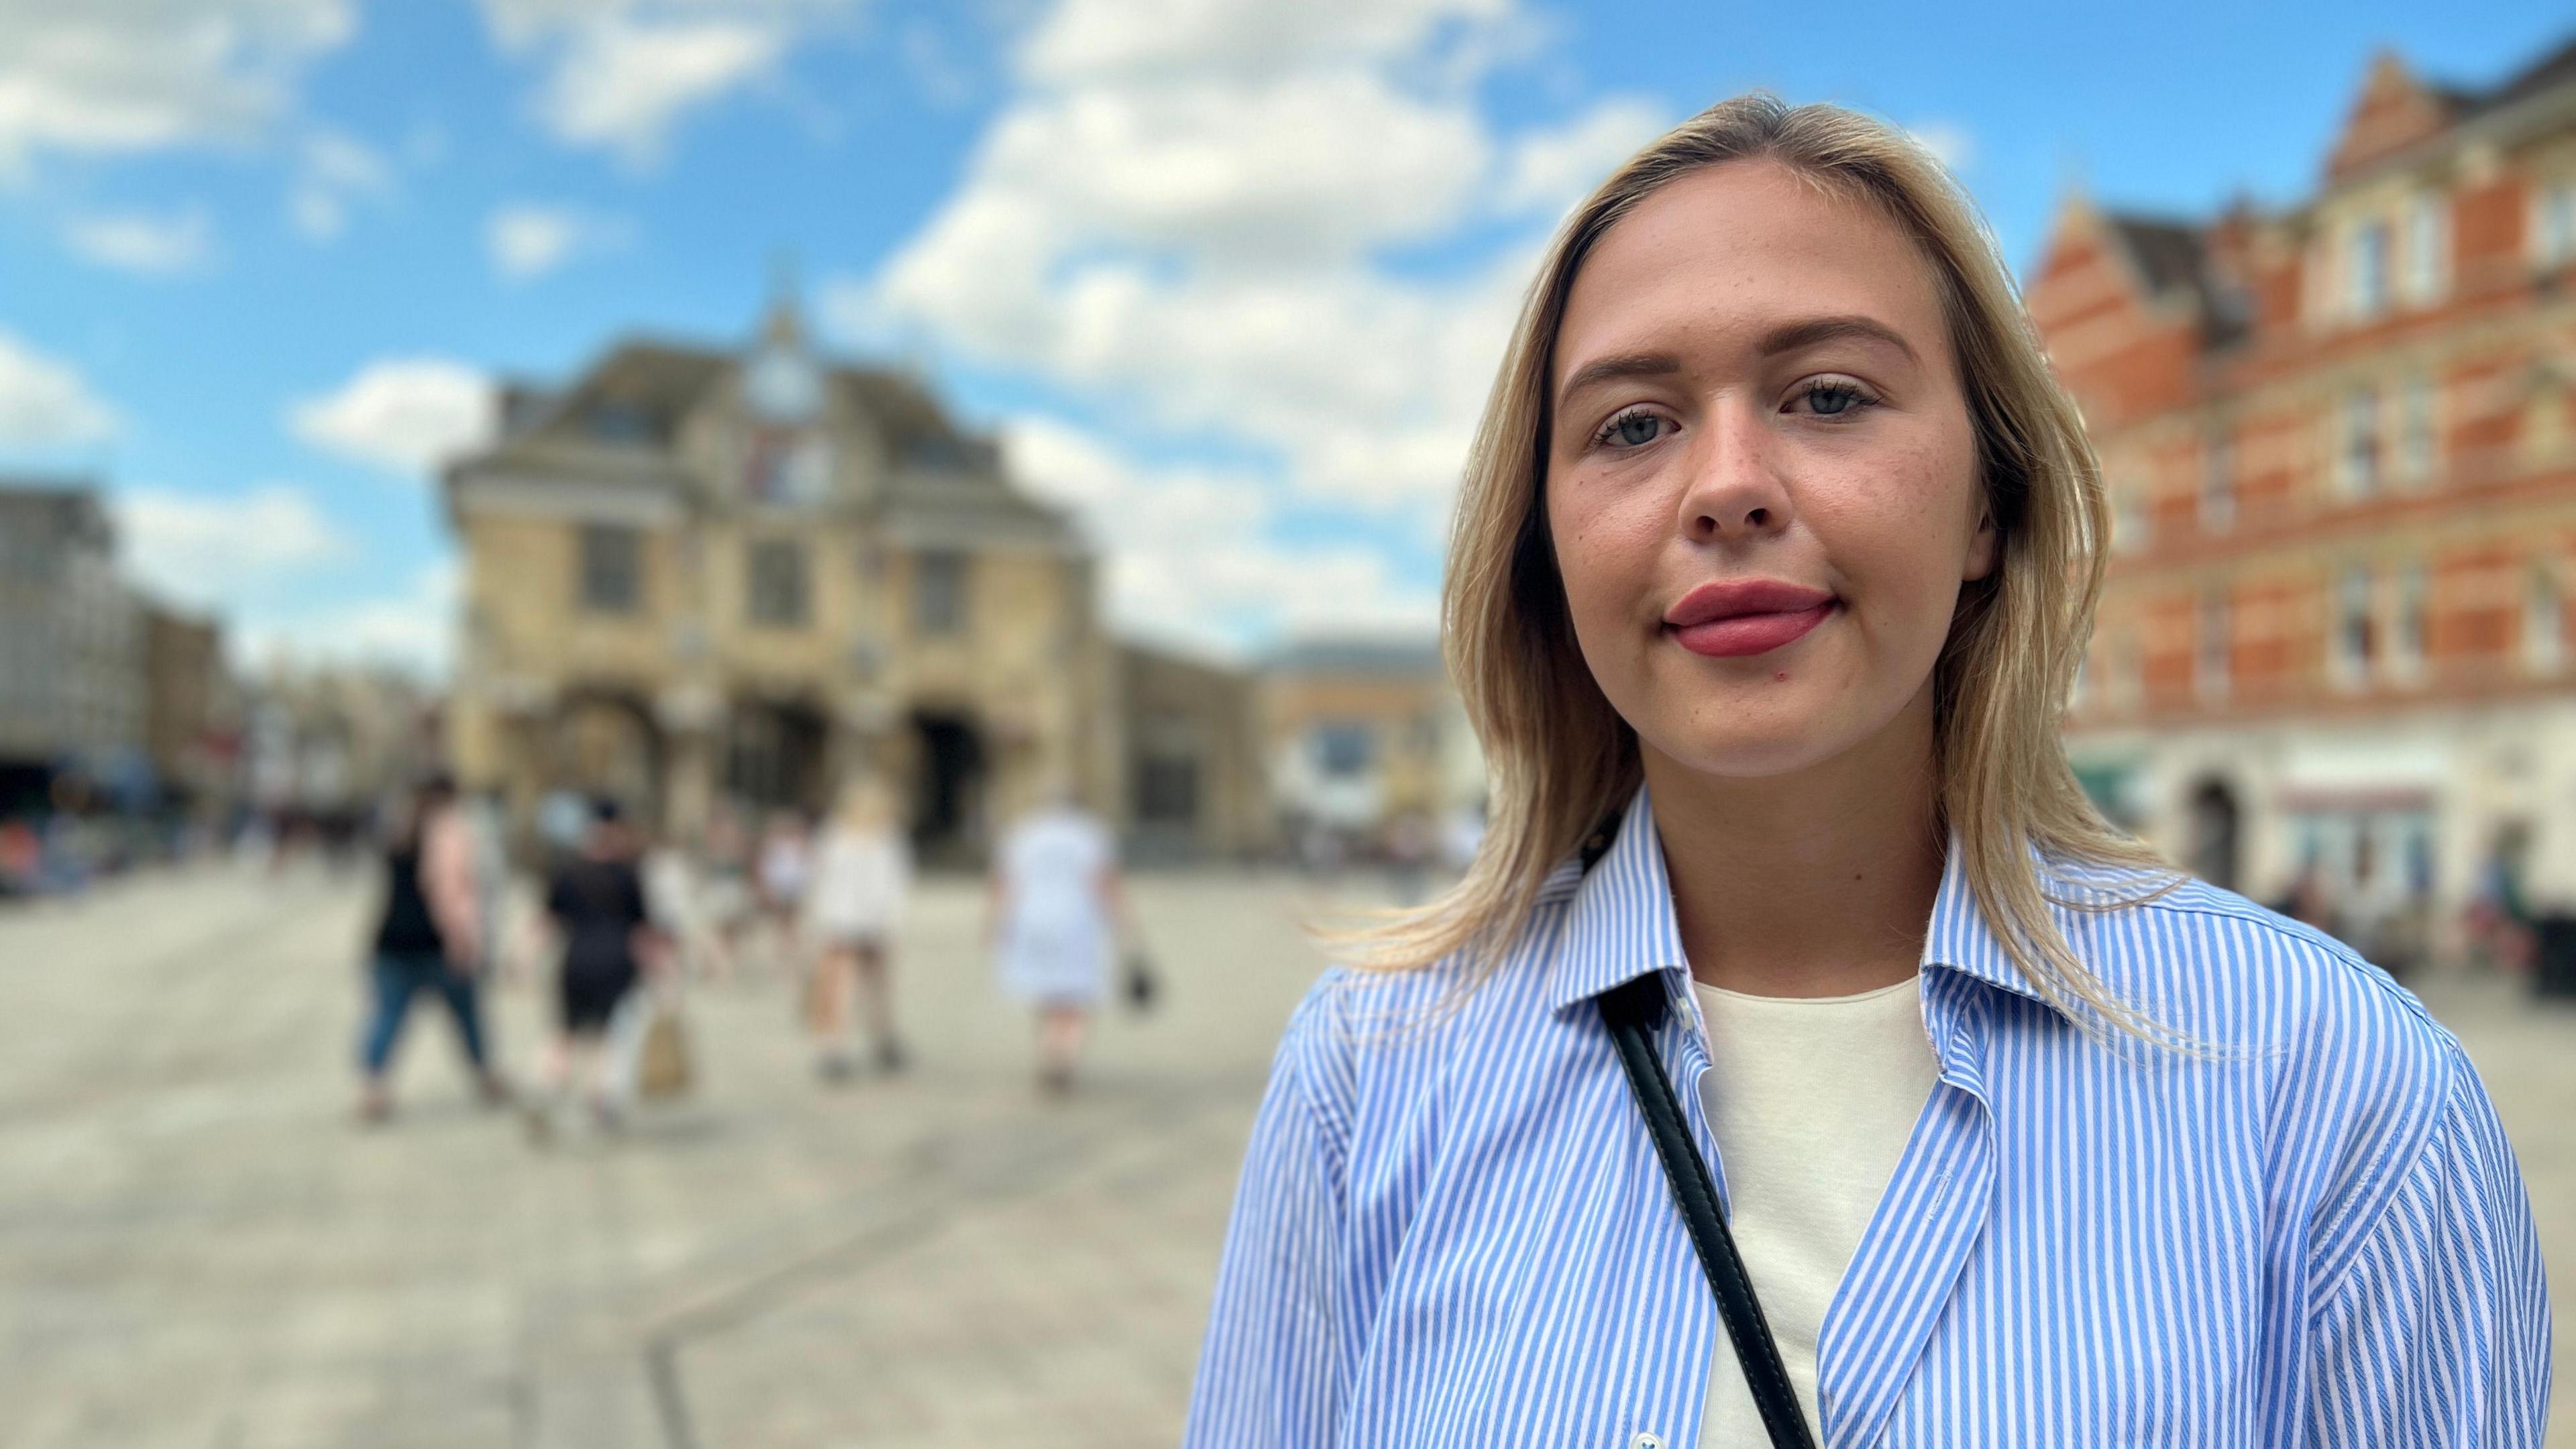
(1182, 214)
(208, 552)
(334, 171)
(100, 77)
(1949, 142)
(402, 414)
(1551, 170)
(526, 240)
(44, 403)
(155, 246)
(412, 628)
(620, 74)
(1190, 554)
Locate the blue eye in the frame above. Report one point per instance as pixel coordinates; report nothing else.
(1634, 428)
(1835, 397)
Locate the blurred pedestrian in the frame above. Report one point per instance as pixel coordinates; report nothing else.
(1799, 971)
(605, 934)
(1054, 910)
(429, 937)
(853, 905)
(786, 863)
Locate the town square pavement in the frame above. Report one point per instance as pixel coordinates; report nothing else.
(200, 1248)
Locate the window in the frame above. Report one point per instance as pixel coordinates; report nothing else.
(778, 584)
(2428, 248)
(2366, 270)
(2210, 662)
(939, 593)
(2553, 224)
(623, 422)
(2406, 641)
(612, 568)
(2355, 637)
(2218, 485)
(2417, 441)
(2357, 450)
(2544, 620)
(1342, 749)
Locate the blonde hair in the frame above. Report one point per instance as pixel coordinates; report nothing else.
(1561, 760)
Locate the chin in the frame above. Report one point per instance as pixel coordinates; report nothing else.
(1738, 753)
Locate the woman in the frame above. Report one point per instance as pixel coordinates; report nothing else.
(853, 905)
(785, 863)
(429, 937)
(596, 902)
(1053, 915)
(1775, 556)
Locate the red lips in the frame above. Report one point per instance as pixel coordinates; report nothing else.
(1733, 618)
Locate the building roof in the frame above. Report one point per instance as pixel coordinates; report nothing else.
(2551, 71)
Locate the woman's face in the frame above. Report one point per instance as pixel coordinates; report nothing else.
(1761, 478)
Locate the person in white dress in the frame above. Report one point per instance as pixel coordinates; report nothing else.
(862, 870)
(1055, 917)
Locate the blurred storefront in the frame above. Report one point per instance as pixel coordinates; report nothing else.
(2339, 450)
(1370, 750)
(699, 575)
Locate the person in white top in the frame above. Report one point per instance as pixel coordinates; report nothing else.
(1055, 912)
(854, 898)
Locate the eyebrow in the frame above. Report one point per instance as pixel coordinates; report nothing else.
(1788, 337)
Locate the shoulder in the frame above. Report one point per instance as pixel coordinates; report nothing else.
(2357, 1075)
(1364, 1040)
(2237, 970)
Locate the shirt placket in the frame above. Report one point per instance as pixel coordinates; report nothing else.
(1929, 1218)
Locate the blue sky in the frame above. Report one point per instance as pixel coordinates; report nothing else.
(1229, 278)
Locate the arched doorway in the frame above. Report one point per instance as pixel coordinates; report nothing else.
(2216, 824)
(948, 788)
(774, 755)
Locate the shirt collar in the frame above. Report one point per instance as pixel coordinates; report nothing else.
(1620, 924)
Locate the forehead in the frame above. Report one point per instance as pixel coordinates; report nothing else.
(1728, 251)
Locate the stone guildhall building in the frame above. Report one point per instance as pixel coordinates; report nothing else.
(2341, 455)
(700, 574)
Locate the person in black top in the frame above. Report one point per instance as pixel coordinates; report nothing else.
(596, 901)
(429, 938)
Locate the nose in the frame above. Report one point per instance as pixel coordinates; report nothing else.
(1735, 491)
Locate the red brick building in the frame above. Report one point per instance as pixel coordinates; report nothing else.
(2340, 451)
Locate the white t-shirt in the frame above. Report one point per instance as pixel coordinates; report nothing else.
(1812, 1100)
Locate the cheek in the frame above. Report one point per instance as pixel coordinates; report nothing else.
(1606, 544)
(1903, 527)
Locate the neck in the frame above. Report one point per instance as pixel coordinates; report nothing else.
(1815, 883)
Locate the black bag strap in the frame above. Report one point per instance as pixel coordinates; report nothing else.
(1633, 1010)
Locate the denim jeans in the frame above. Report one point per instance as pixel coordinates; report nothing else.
(397, 977)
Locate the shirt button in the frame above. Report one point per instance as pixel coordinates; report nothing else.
(1646, 1441)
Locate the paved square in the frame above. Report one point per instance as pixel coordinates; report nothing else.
(199, 1248)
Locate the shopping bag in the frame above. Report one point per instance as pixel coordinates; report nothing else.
(665, 1069)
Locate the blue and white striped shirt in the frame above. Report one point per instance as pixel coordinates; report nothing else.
(1452, 1231)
